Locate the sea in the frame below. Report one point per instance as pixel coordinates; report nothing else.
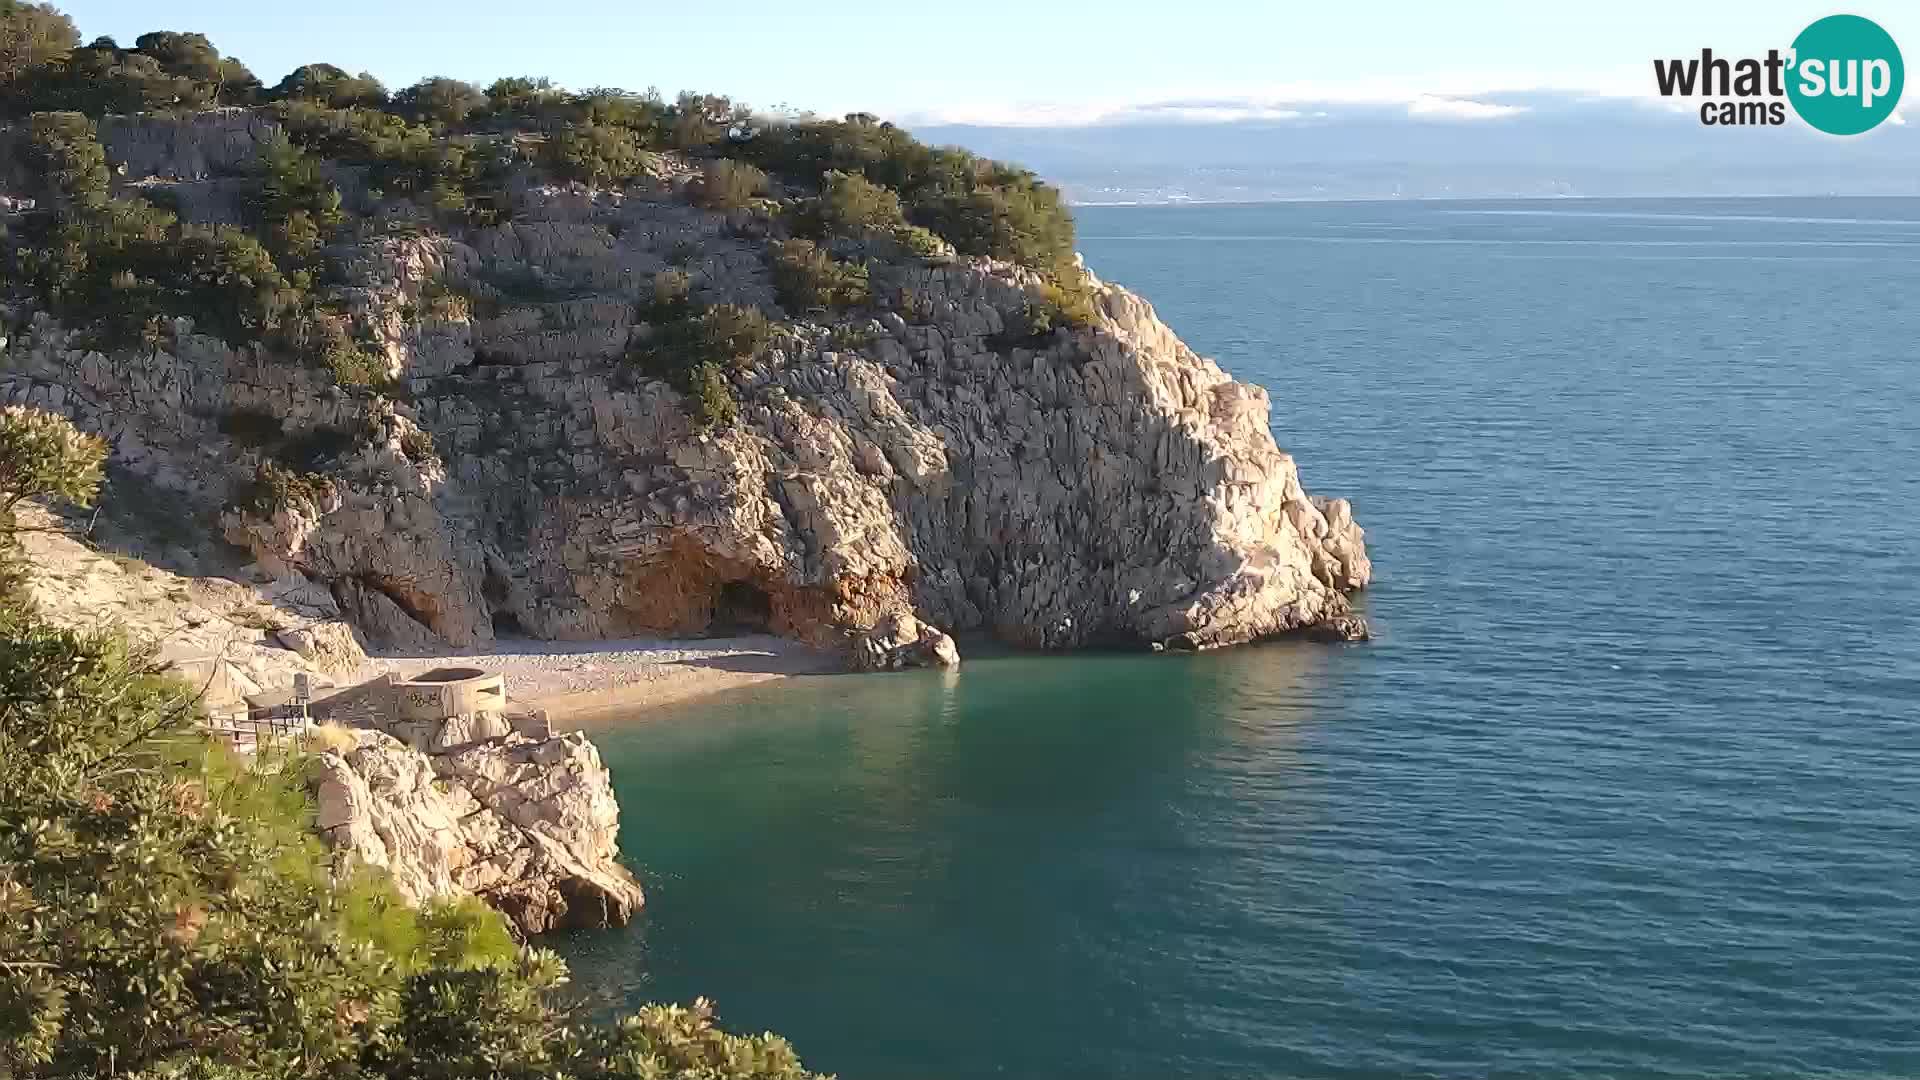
(1627, 785)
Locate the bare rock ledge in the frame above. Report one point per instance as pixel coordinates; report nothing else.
(526, 824)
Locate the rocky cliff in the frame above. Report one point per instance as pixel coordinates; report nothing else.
(526, 824)
(926, 460)
(491, 804)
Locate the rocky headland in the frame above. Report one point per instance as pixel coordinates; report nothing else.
(1102, 484)
(868, 479)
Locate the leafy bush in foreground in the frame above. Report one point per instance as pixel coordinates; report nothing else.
(166, 910)
(44, 457)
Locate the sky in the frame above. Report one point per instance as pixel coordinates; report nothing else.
(1008, 62)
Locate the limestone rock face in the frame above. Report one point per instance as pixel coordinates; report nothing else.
(526, 824)
(901, 640)
(1100, 485)
(190, 147)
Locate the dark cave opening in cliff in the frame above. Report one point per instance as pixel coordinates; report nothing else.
(741, 607)
(505, 623)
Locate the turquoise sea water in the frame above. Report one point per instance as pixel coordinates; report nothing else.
(1628, 786)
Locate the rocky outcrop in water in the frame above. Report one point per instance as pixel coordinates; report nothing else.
(526, 824)
(932, 466)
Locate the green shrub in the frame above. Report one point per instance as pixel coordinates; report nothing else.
(728, 185)
(216, 78)
(851, 205)
(43, 456)
(123, 268)
(809, 149)
(329, 86)
(40, 69)
(405, 159)
(981, 207)
(919, 241)
(357, 366)
(440, 102)
(711, 397)
(1023, 222)
(596, 155)
(160, 198)
(1064, 301)
(693, 354)
(63, 152)
(35, 40)
(850, 338)
(727, 335)
(275, 488)
(417, 446)
(521, 98)
(671, 299)
(914, 306)
(642, 114)
(699, 121)
(1070, 295)
(441, 301)
(297, 208)
(324, 338)
(806, 277)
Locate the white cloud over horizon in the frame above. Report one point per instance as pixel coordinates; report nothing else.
(1430, 106)
(1437, 100)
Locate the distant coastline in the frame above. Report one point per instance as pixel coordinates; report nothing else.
(1541, 197)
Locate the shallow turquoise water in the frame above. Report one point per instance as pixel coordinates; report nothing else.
(1628, 786)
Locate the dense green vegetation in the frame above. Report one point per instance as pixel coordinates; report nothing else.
(832, 194)
(166, 911)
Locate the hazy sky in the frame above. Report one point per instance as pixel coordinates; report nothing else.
(999, 60)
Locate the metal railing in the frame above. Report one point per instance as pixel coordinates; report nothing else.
(267, 724)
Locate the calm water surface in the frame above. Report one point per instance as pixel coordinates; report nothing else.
(1629, 785)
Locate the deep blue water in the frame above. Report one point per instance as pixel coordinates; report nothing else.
(1629, 785)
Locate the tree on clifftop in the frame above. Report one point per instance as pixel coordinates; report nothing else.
(331, 86)
(439, 101)
(32, 36)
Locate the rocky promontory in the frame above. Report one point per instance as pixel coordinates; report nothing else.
(527, 824)
(928, 456)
